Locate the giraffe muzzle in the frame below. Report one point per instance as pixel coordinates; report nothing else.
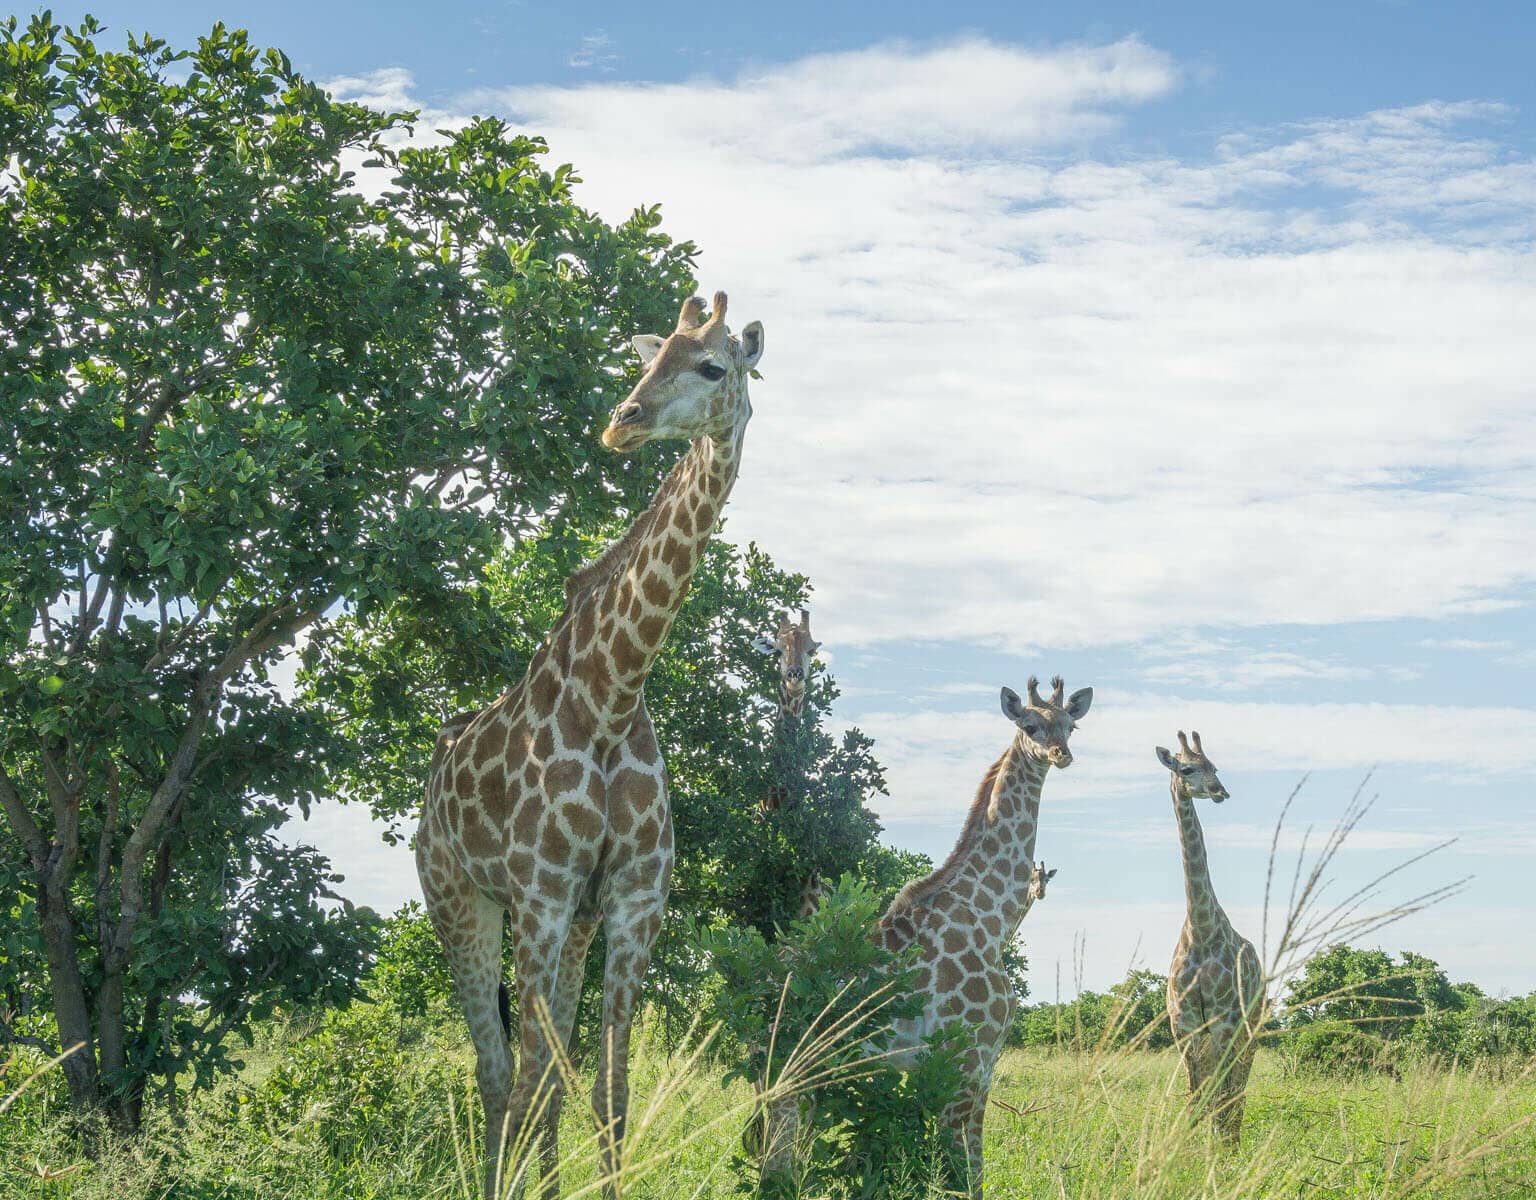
(625, 429)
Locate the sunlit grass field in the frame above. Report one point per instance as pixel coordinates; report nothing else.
(356, 1111)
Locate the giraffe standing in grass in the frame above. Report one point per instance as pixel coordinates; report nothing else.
(551, 805)
(1216, 987)
(963, 915)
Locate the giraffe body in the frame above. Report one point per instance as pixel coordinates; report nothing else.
(962, 916)
(550, 806)
(1216, 990)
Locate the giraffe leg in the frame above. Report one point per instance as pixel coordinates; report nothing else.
(573, 967)
(964, 1119)
(780, 1130)
(631, 928)
(469, 925)
(1229, 1117)
(533, 1110)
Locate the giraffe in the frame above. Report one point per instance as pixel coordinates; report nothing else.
(964, 914)
(1216, 989)
(550, 806)
(1038, 878)
(795, 648)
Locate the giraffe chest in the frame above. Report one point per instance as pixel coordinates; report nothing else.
(532, 809)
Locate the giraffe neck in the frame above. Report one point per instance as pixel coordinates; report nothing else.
(619, 625)
(1204, 917)
(999, 862)
(791, 704)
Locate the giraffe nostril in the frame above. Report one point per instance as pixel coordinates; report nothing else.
(627, 414)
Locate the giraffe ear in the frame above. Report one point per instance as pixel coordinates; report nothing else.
(815, 646)
(763, 645)
(1051, 874)
(647, 346)
(1079, 702)
(1166, 759)
(1013, 707)
(752, 344)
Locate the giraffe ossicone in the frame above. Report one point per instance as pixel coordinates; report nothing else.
(550, 806)
(1216, 985)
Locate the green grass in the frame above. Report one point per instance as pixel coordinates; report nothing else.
(357, 1110)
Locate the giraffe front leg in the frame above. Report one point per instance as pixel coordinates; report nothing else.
(631, 930)
(964, 1120)
(533, 1110)
(573, 969)
(469, 926)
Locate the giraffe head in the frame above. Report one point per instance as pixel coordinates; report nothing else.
(795, 648)
(695, 381)
(1193, 773)
(1046, 724)
(1038, 878)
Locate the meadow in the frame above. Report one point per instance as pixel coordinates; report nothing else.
(370, 1104)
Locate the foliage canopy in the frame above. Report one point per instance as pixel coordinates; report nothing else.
(242, 396)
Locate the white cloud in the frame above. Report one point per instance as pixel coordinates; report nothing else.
(1072, 400)
(965, 96)
(389, 88)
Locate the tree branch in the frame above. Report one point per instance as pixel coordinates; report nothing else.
(278, 625)
(32, 839)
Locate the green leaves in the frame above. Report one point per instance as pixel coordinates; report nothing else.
(240, 398)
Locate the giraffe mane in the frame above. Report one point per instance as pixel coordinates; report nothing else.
(602, 569)
(975, 822)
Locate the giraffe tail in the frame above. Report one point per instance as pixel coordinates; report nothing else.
(504, 1008)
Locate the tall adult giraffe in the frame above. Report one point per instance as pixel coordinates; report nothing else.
(551, 805)
(964, 914)
(1215, 986)
(961, 916)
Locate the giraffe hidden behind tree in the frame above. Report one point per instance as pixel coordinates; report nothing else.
(550, 806)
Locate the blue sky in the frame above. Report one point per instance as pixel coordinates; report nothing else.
(1186, 354)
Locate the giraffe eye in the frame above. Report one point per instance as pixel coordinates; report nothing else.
(1186, 770)
(711, 371)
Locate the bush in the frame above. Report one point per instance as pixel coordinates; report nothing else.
(1133, 1013)
(811, 1014)
(1339, 1048)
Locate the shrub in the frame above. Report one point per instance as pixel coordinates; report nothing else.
(1339, 1048)
(811, 1015)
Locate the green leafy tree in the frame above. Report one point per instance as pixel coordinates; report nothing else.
(1368, 989)
(240, 397)
(1132, 1013)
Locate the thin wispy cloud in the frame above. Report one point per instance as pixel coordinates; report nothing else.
(595, 52)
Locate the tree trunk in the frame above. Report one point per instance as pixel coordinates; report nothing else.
(70, 1007)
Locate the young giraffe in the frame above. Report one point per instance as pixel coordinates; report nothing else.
(1038, 878)
(795, 648)
(551, 804)
(964, 914)
(1215, 985)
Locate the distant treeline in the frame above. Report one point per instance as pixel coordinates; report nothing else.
(1348, 1009)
